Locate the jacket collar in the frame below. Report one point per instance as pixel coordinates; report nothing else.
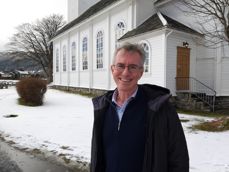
(155, 96)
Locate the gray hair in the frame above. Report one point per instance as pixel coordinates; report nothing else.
(134, 48)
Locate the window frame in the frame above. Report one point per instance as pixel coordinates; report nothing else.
(120, 30)
(99, 49)
(57, 60)
(73, 57)
(84, 53)
(64, 58)
(147, 67)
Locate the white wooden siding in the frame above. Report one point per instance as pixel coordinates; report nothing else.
(225, 76)
(205, 71)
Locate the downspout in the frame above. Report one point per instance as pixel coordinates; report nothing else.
(90, 57)
(109, 52)
(78, 58)
(165, 24)
(68, 64)
(60, 62)
(165, 53)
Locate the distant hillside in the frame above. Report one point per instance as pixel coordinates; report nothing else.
(11, 64)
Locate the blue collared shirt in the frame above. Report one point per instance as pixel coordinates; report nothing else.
(121, 109)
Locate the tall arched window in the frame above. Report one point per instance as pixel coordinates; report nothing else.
(84, 54)
(64, 59)
(73, 56)
(57, 60)
(119, 32)
(99, 50)
(147, 54)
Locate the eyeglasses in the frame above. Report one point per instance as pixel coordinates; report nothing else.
(131, 68)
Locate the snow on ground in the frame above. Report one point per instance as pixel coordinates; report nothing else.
(64, 123)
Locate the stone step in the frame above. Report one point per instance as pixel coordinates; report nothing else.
(190, 102)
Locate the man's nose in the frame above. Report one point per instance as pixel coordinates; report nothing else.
(126, 70)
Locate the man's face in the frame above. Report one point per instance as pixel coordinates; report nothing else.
(126, 78)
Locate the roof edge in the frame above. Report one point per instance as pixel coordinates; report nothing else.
(74, 22)
(163, 20)
(160, 3)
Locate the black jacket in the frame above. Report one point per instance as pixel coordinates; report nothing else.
(165, 149)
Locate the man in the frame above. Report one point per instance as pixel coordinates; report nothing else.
(136, 129)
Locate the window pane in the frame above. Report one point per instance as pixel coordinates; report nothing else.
(84, 54)
(99, 50)
(73, 56)
(119, 32)
(57, 60)
(147, 54)
(64, 59)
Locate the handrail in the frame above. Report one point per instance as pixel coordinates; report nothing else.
(204, 85)
(197, 88)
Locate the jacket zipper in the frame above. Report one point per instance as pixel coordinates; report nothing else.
(119, 123)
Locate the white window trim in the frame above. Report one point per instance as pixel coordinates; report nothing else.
(117, 36)
(57, 61)
(64, 55)
(149, 52)
(73, 52)
(84, 54)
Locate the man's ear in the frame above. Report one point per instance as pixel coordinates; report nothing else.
(112, 68)
(140, 75)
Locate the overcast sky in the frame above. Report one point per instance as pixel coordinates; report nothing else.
(16, 12)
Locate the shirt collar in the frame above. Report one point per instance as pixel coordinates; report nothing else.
(116, 92)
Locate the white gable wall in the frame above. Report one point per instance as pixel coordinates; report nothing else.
(173, 9)
(144, 9)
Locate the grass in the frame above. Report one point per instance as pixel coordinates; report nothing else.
(201, 113)
(23, 102)
(216, 125)
(82, 93)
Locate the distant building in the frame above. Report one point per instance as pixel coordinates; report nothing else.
(5, 75)
(23, 74)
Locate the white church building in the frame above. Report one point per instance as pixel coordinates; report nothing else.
(83, 49)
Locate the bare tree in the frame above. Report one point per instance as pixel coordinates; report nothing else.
(33, 41)
(212, 17)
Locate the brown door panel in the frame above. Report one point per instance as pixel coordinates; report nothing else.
(183, 67)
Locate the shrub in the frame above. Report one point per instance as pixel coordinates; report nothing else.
(31, 91)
